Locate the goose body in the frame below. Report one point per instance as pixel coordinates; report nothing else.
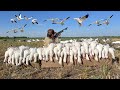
(13, 20)
(62, 21)
(34, 21)
(26, 18)
(19, 17)
(81, 19)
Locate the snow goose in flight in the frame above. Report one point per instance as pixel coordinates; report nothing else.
(81, 19)
(106, 21)
(52, 19)
(26, 18)
(13, 20)
(98, 23)
(62, 22)
(19, 17)
(13, 30)
(34, 21)
(7, 31)
(102, 21)
(22, 28)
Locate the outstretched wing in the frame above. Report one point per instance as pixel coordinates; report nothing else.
(16, 16)
(25, 25)
(84, 17)
(19, 15)
(78, 21)
(25, 18)
(7, 31)
(44, 20)
(30, 18)
(89, 24)
(98, 22)
(34, 20)
(65, 19)
(56, 19)
(92, 23)
(55, 22)
(109, 17)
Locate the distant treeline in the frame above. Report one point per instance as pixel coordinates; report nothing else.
(60, 37)
(11, 37)
(93, 37)
(22, 37)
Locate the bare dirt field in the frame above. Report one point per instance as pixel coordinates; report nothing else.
(105, 69)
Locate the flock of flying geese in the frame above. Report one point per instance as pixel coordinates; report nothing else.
(18, 18)
(79, 20)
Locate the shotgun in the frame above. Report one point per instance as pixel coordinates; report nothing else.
(58, 33)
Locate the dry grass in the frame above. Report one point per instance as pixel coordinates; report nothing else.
(100, 71)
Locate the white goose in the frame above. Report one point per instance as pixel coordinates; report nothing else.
(19, 17)
(62, 21)
(13, 30)
(13, 20)
(26, 18)
(52, 19)
(102, 21)
(81, 19)
(106, 21)
(34, 21)
(98, 23)
(22, 28)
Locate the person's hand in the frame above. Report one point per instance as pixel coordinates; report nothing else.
(52, 36)
(59, 35)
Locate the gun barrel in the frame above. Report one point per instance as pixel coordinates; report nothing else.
(58, 33)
